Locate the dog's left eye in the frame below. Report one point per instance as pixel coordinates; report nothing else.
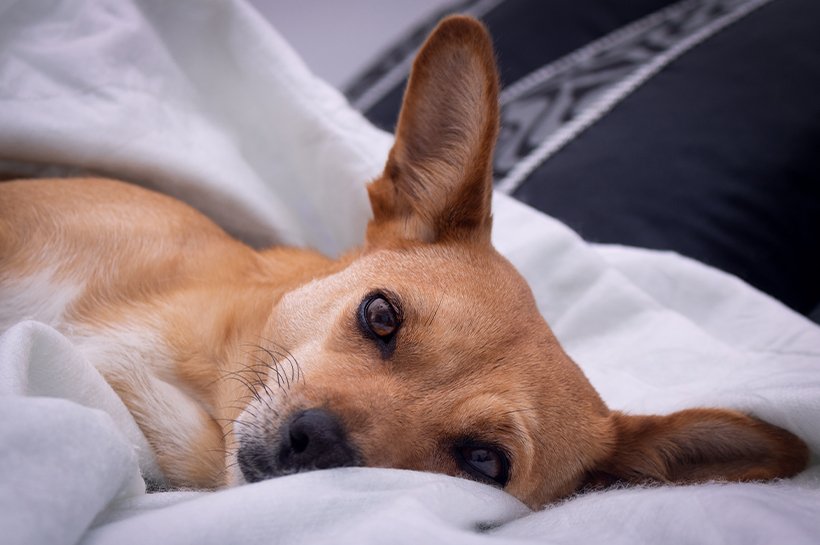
(484, 462)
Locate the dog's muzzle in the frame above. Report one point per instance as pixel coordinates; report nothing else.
(310, 439)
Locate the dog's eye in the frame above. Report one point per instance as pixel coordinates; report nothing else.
(380, 317)
(380, 320)
(484, 462)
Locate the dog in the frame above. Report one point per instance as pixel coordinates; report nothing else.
(421, 350)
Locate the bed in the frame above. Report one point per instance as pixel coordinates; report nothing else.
(203, 100)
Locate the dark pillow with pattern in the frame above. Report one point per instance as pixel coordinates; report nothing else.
(689, 126)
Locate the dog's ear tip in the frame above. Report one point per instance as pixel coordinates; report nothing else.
(461, 30)
(462, 25)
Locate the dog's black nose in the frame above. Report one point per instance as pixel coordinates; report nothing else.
(311, 439)
(314, 439)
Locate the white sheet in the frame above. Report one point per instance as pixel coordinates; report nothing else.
(201, 99)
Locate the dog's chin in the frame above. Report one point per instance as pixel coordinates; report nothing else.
(244, 473)
(255, 462)
(233, 475)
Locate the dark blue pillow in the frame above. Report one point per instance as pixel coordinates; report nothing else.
(715, 154)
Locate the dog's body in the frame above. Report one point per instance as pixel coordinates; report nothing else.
(422, 350)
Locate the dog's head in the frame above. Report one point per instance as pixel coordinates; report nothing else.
(426, 350)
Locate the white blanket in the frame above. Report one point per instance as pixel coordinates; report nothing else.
(203, 100)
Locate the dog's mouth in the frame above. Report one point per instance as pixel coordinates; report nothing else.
(309, 439)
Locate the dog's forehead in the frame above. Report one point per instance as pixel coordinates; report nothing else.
(474, 272)
(463, 309)
(468, 300)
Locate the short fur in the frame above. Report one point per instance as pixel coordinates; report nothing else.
(213, 345)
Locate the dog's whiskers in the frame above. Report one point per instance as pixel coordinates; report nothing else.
(276, 363)
(257, 405)
(252, 388)
(274, 368)
(288, 355)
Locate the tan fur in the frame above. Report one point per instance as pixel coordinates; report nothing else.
(206, 339)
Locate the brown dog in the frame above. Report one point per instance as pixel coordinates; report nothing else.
(423, 350)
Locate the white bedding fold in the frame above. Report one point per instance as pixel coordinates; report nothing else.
(201, 99)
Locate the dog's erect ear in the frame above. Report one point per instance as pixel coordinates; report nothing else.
(437, 183)
(699, 445)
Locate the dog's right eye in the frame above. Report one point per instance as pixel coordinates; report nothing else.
(380, 317)
(379, 320)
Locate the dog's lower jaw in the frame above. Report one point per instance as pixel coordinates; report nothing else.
(253, 462)
(232, 475)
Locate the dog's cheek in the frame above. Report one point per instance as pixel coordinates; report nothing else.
(297, 324)
(311, 310)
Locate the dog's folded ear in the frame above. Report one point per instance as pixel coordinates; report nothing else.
(698, 445)
(437, 183)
